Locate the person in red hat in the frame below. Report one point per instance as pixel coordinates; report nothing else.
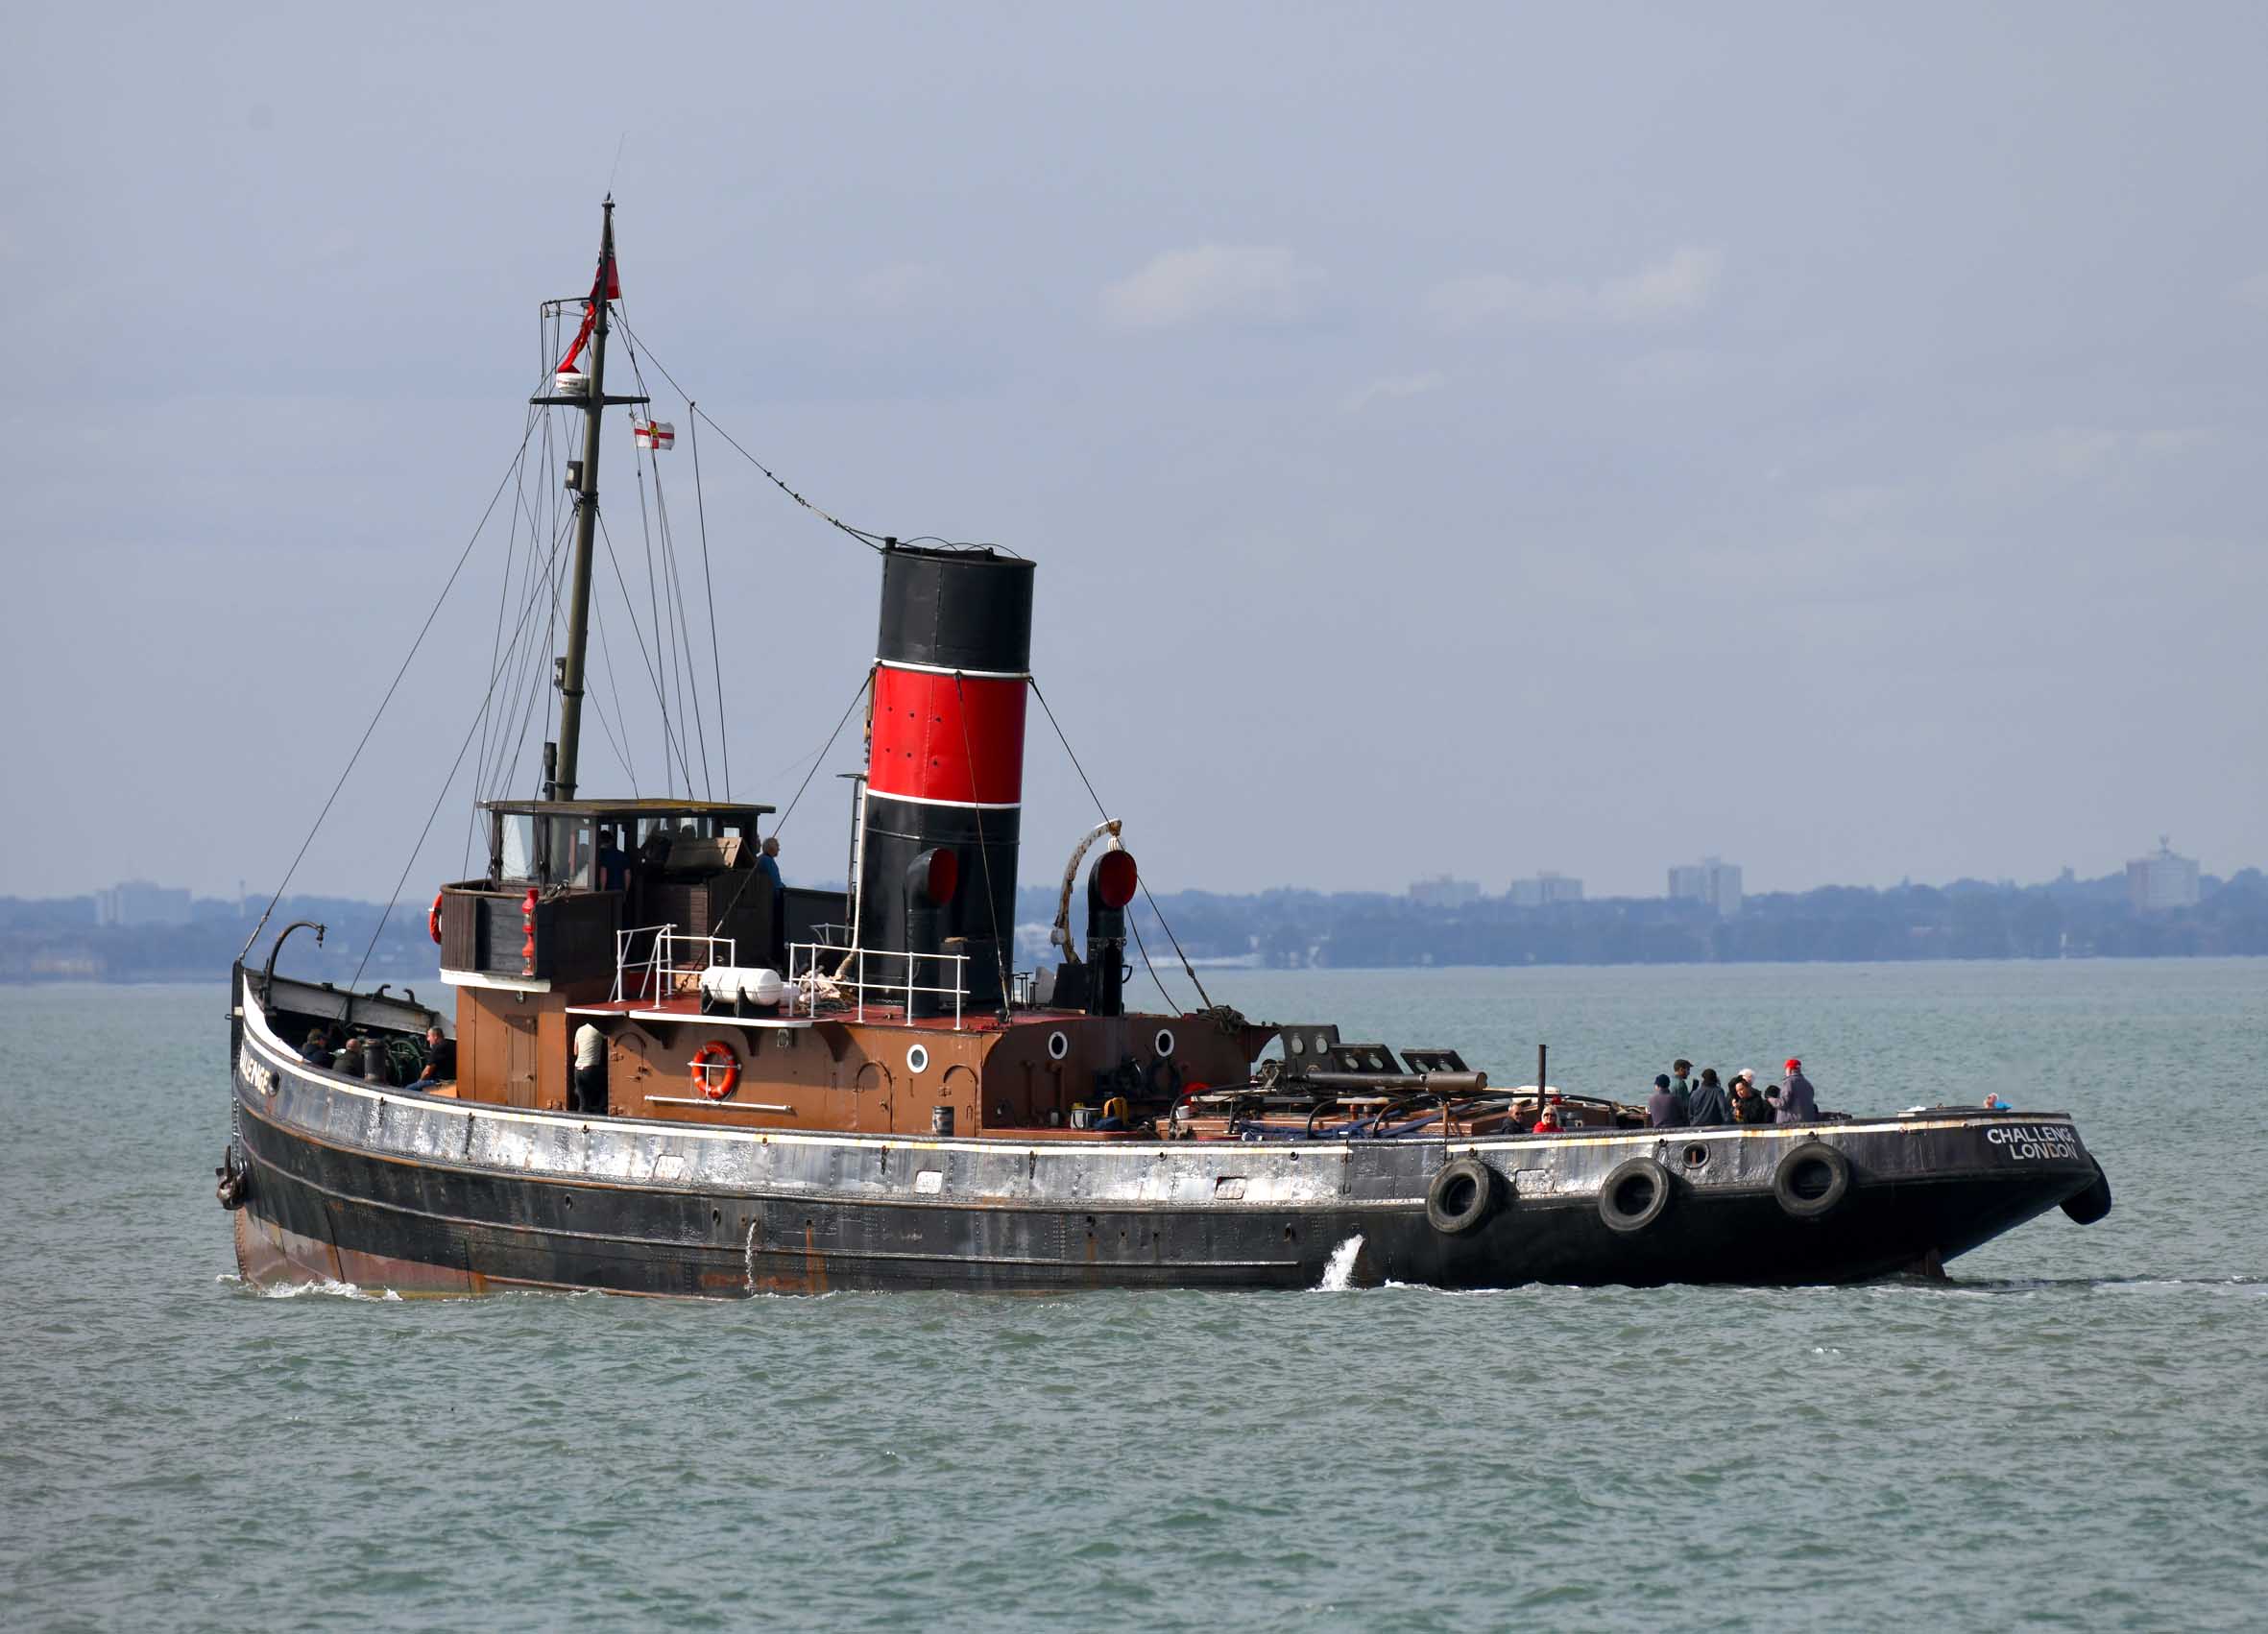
(1793, 1102)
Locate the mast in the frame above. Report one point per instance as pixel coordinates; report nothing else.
(594, 406)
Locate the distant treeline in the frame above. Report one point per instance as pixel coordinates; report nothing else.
(58, 940)
(1966, 919)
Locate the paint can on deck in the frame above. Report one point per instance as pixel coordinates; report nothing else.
(941, 1120)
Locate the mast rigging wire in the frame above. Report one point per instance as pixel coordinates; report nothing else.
(1168, 928)
(662, 653)
(629, 762)
(503, 594)
(681, 626)
(865, 681)
(724, 742)
(1000, 952)
(668, 742)
(872, 541)
(363, 742)
(447, 783)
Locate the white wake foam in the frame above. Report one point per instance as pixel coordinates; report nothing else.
(1339, 1274)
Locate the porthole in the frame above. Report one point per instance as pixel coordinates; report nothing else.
(1058, 1045)
(1164, 1042)
(917, 1059)
(1296, 1044)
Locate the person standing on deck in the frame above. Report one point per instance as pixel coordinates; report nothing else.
(613, 864)
(767, 864)
(1707, 1105)
(1793, 1101)
(590, 1071)
(1681, 1079)
(1665, 1107)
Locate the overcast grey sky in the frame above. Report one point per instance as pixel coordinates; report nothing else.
(1478, 439)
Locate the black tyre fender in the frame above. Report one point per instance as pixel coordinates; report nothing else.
(1461, 1195)
(1619, 1204)
(1797, 1185)
(2092, 1204)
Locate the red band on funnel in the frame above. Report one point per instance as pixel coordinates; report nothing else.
(944, 737)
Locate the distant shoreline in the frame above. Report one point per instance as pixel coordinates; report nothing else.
(219, 978)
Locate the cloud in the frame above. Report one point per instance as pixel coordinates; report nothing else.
(2253, 290)
(2039, 463)
(1682, 283)
(894, 288)
(1393, 386)
(1255, 284)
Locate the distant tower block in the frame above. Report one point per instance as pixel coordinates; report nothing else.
(2161, 882)
(1712, 880)
(1545, 889)
(1444, 892)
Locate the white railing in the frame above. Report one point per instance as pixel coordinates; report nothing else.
(811, 975)
(660, 974)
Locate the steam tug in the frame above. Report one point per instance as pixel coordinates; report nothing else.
(784, 1090)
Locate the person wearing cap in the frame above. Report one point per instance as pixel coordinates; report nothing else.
(1793, 1101)
(1665, 1107)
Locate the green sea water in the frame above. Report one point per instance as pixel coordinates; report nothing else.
(2072, 1431)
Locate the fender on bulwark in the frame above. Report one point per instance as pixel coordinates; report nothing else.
(1462, 1194)
(1623, 1206)
(1811, 1181)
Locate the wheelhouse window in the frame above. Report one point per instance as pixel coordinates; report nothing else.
(516, 846)
(573, 850)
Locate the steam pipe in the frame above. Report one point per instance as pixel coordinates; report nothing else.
(1060, 935)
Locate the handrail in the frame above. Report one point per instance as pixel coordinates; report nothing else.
(662, 960)
(808, 979)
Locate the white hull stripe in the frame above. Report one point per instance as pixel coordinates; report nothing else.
(284, 1058)
(872, 793)
(948, 670)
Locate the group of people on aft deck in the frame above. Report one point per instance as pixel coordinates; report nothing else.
(1682, 1101)
(374, 1060)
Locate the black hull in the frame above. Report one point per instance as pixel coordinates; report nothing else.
(384, 1189)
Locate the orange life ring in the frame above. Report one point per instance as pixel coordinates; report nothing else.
(433, 918)
(708, 1055)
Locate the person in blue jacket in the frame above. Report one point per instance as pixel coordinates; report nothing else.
(1707, 1105)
